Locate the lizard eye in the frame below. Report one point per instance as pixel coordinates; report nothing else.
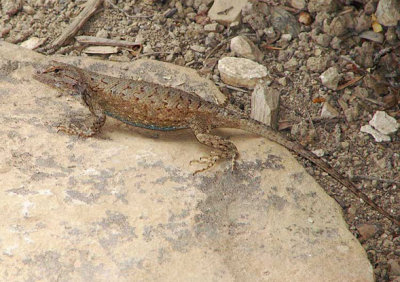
(56, 70)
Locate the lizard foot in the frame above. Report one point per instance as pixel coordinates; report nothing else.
(74, 130)
(209, 161)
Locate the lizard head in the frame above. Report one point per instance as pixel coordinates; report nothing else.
(61, 76)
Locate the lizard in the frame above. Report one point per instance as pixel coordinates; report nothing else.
(158, 107)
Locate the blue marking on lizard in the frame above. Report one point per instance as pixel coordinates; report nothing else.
(147, 126)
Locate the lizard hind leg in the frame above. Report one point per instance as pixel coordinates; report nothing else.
(223, 149)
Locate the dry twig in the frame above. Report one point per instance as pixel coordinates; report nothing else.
(231, 87)
(91, 7)
(92, 40)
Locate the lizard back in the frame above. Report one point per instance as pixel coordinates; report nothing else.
(146, 104)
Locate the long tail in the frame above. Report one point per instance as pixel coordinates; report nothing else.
(267, 132)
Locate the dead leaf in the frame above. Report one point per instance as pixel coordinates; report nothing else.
(318, 100)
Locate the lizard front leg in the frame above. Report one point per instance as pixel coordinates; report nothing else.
(223, 149)
(97, 124)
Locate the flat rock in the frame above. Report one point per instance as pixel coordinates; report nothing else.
(317, 64)
(226, 11)
(330, 78)
(328, 111)
(124, 205)
(241, 72)
(33, 43)
(285, 22)
(212, 27)
(378, 136)
(102, 50)
(373, 36)
(265, 105)
(384, 123)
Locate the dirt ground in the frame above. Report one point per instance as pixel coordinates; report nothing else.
(330, 36)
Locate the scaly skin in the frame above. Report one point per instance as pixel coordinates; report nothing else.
(158, 107)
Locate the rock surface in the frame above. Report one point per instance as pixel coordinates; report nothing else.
(265, 105)
(328, 111)
(244, 47)
(226, 11)
(241, 72)
(384, 123)
(378, 136)
(285, 22)
(330, 78)
(124, 206)
(388, 12)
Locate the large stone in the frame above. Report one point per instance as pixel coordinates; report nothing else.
(244, 47)
(226, 11)
(384, 123)
(241, 72)
(285, 22)
(330, 78)
(328, 111)
(378, 136)
(124, 205)
(388, 12)
(265, 105)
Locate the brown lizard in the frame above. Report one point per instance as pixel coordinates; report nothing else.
(153, 106)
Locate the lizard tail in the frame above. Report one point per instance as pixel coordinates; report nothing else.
(259, 128)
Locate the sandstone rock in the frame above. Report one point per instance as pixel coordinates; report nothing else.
(367, 231)
(322, 39)
(103, 33)
(330, 78)
(226, 11)
(379, 137)
(198, 48)
(265, 105)
(388, 12)
(244, 47)
(339, 26)
(211, 27)
(373, 36)
(316, 64)
(241, 72)
(328, 111)
(102, 50)
(384, 123)
(124, 205)
(391, 36)
(292, 64)
(285, 22)
(33, 43)
(319, 152)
